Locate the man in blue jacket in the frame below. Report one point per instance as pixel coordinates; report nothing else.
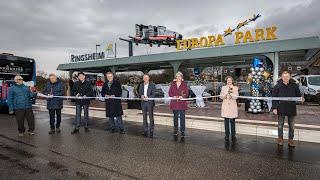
(54, 87)
(20, 103)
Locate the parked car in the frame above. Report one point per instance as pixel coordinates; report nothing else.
(244, 90)
(309, 85)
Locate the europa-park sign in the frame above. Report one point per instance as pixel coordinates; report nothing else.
(255, 35)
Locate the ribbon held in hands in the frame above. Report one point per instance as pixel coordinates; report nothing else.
(297, 99)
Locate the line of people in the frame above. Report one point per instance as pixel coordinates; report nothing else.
(19, 101)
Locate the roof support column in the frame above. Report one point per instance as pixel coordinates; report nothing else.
(70, 74)
(113, 70)
(275, 68)
(175, 65)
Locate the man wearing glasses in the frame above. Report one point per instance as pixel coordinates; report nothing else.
(112, 89)
(20, 103)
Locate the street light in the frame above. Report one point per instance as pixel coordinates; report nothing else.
(97, 45)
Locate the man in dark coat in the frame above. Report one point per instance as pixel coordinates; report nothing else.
(112, 88)
(286, 87)
(54, 87)
(147, 90)
(82, 89)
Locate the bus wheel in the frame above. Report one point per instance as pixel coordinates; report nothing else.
(4, 110)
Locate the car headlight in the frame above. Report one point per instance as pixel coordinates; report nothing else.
(312, 91)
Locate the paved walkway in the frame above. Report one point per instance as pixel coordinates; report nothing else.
(307, 114)
(100, 155)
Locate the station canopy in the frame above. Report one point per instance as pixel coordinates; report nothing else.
(288, 50)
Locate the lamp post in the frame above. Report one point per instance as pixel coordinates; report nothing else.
(97, 45)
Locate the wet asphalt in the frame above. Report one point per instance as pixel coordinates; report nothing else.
(99, 154)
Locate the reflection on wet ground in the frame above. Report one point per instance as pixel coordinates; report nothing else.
(102, 155)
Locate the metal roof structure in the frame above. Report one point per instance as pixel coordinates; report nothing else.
(287, 50)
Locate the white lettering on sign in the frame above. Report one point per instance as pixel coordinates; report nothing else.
(87, 57)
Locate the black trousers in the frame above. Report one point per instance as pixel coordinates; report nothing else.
(55, 118)
(22, 114)
(229, 123)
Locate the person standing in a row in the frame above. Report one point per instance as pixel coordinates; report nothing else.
(54, 87)
(20, 103)
(179, 89)
(286, 87)
(229, 108)
(147, 90)
(112, 88)
(82, 89)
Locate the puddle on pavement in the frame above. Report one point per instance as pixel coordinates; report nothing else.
(57, 166)
(17, 151)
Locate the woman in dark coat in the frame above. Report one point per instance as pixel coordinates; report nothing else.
(112, 88)
(179, 89)
(54, 87)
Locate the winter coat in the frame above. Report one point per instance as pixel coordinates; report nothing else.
(151, 92)
(55, 89)
(286, 108)
(229, 107)
(181, 91)
(113, 106)
(83, 89)
(20, 97)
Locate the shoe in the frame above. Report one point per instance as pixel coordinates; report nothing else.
(75, 131)
(291, 143)
(21, 134)
(31, 133)
(151, 134)
(175, 134)
(122, 132)
(234, 139)
(52, 131)
(86, 130)
(182, 135)
(182, 139)
(226, 139)
(280, 141)
(58, 130)
(145, 134)
(112, 130)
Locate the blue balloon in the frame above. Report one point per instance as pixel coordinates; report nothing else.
(257, 63)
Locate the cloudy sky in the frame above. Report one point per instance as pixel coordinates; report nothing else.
(51, 30)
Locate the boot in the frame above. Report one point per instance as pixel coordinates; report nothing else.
(75, 131)
(291, 143)
(280, 141)
(52, 131)
(234, 139)
(58, 130)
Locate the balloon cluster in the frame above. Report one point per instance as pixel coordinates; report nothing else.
(256, 77)
(255, 106)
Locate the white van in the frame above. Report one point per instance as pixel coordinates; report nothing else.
(310, 86)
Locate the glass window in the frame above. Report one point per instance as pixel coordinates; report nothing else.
(315, 80)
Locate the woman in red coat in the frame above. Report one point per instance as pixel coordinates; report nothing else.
(179, 89)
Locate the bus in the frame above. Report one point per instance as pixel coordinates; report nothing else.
(10, 66)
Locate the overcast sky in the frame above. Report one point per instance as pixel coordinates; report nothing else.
(51, 30)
